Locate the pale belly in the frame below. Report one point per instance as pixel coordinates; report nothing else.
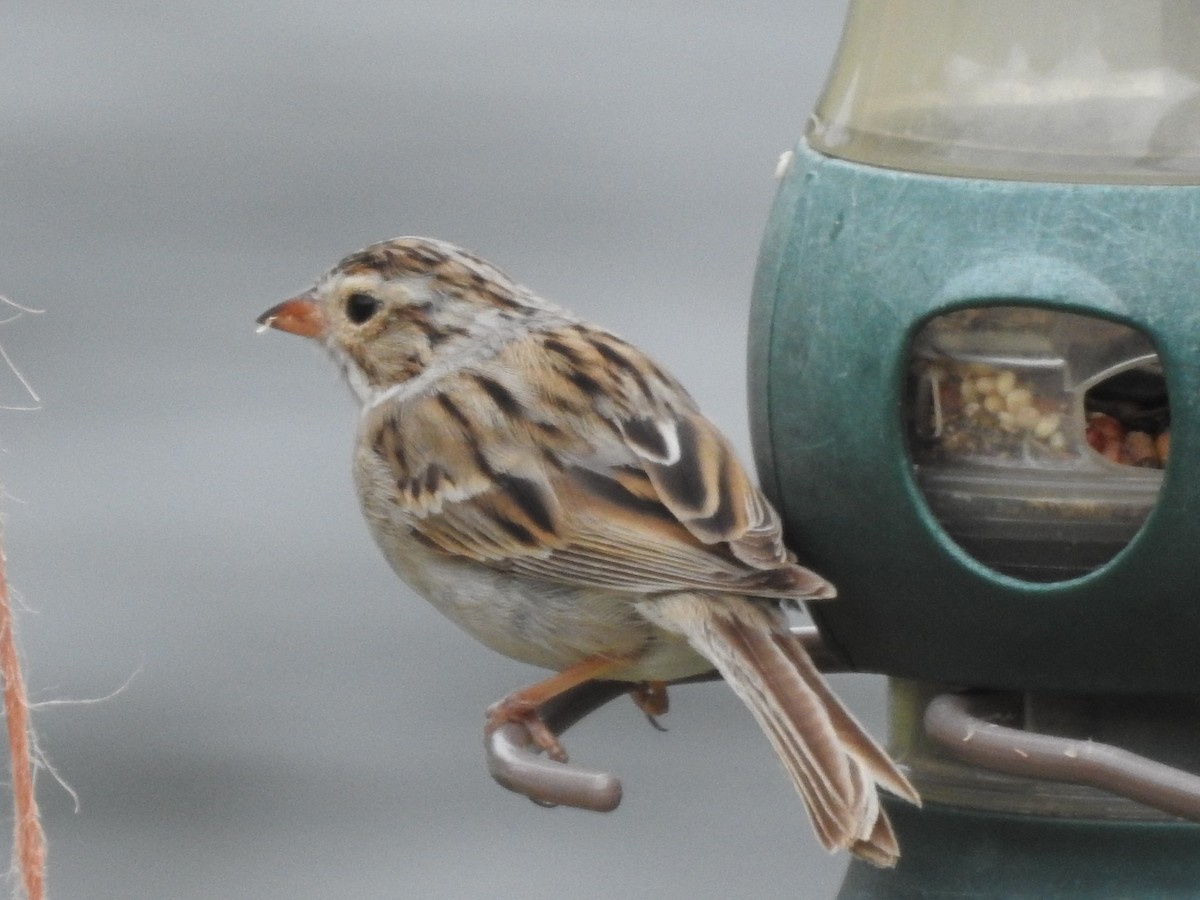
(544, 624)
(536, 622)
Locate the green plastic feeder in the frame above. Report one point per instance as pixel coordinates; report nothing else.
(975, 395)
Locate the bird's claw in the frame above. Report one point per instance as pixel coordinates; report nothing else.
(515, 764)
(515, 711)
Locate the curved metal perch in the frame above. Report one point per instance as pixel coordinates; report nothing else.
(514, 765)
(961, 725)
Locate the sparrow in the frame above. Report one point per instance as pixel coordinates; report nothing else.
(560, 497)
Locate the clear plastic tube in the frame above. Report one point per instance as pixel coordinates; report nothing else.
(1075, 90)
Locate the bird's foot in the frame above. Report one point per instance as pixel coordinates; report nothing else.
(517, 710)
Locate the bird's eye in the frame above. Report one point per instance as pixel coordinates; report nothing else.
(360, 307)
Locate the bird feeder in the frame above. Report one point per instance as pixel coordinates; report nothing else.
(975, 393)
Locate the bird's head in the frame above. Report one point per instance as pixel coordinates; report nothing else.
(391, 311)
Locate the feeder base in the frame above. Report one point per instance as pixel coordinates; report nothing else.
(950, 852)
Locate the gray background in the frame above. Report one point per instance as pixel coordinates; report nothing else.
(299, 724)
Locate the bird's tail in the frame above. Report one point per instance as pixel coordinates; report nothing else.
(833, 762)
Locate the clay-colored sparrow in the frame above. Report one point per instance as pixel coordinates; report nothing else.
(560, 497)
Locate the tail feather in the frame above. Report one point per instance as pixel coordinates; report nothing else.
(856, 741)
(833, 762)
(818, 766)
(881, 848)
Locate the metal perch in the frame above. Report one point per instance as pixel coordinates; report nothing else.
(516, 766)
(963, 725)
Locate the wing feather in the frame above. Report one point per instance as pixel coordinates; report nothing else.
(630, 488)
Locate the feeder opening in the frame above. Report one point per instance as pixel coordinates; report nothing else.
(1037, 437)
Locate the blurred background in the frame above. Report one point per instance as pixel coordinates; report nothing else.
(179, 510)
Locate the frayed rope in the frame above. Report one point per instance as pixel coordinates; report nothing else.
(29, 841)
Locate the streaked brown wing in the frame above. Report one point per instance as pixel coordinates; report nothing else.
(648, 527)
(626, 486)
(700, 480)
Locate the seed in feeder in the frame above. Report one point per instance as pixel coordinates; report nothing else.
(992, 403)
(1005, 382)
(967, 391)
(1058, 441)
(1027, 417)
(1007, 420)
(1103, 430)
(1138, 450)
(1162, 446)
(1018, 398)
(985, 384)
(1106, 436)
(1047, 425)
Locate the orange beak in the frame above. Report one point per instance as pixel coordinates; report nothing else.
(299, 315)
